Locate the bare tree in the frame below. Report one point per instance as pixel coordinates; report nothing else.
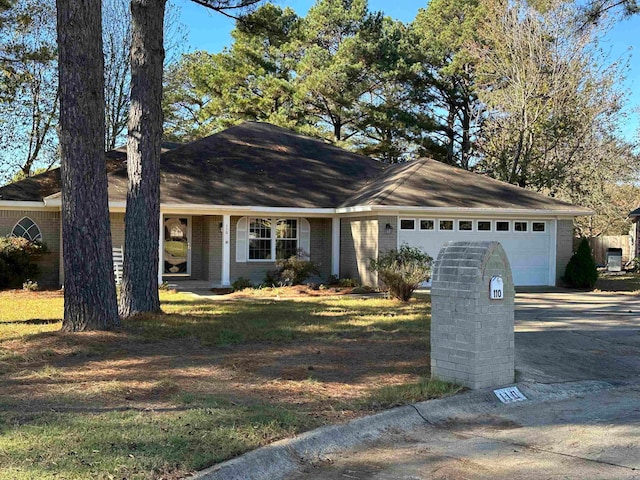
(89, 293)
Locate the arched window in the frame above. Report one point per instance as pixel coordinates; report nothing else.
(27, 228)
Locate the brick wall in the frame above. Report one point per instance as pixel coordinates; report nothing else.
(49, 224)
(387, 241)
(199, 252)
(214, 248)
(117, 229)
(358, 244)
(564, 246)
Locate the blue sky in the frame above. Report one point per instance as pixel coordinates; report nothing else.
(211, 31)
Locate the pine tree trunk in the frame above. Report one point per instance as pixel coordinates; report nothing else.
(140, 274)
(89, 290)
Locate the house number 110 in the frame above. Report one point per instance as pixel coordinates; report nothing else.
(496, 288)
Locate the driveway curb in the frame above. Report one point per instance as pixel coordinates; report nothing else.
(280, 459)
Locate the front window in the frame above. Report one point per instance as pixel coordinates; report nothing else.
(286, 238)
(27, 228)
(260, 239)
(271, 239)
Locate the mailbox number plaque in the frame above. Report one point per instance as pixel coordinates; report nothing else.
(496, 288)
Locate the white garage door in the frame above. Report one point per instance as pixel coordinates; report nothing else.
(526, 242)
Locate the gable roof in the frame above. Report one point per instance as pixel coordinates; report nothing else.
(258, 164)
(432, 184)
(635, 214)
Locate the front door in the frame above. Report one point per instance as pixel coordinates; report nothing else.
(177, 246)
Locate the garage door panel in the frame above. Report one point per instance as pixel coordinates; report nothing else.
(528, 253)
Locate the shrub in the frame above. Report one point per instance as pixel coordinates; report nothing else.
(581, 271)
(333, 280)
(348, 282)
(16, 261)
(241, 283)
(402, 271)
(292, 271)
(30, 286)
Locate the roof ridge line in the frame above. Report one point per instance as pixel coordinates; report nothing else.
(385, 193)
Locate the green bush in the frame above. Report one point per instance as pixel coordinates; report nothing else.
(402, 271)
(292, 271)
(241, 283)
(16, 261)
(581, 271)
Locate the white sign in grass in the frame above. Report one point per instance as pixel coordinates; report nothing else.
(509, 395)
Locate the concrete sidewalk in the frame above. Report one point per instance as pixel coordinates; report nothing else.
(578, 364)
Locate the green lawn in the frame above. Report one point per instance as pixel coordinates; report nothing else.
(170, 394)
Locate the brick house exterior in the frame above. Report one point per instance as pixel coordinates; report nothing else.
(233, 202)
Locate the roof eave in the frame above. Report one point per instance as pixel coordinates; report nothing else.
(575, 212)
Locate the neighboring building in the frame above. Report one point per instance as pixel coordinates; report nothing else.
(235, 201)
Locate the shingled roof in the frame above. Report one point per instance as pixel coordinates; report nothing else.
(432, 184)
(258, 164)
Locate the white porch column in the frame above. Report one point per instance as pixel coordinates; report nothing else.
(160, 249)
(335, 246)
(226, 250)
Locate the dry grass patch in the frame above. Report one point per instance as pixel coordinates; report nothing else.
(169, 394)
(624, 282)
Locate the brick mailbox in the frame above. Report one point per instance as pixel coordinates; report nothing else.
(472, 315)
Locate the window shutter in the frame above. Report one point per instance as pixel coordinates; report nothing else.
(241, 239)
(305, 237)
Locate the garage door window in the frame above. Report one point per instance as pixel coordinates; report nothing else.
(445, 225)
(465, 225)
(407, 224)
(520, 226)
(427, 225)
(502, 226)
(538, 226)
(484, 226)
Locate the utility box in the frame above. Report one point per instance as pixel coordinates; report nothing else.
(472, 315)
(614, 259)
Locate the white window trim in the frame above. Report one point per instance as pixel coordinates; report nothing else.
(34, 222)
(426, 229)
(484, 231)
(528, 226)
(274, 222)
(543, 222)
(453, 222)
(464, 220)
(415, 223)
(508, 222)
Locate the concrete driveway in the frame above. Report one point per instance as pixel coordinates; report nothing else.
(563, 337)
(587, 341)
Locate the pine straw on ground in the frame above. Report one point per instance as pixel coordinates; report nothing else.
(169, 394)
